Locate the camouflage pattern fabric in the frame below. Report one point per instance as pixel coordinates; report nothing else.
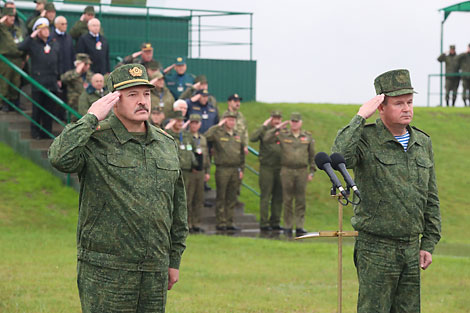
(9, 50)
(164, 99)
(393, 83)
(76, 84)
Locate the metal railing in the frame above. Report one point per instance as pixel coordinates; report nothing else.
(441, 93)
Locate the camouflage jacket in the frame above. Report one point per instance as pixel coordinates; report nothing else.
(8, 42)
(269, 153)
(133, 213)
(75, 84)
(398, 188)
(87, 97)
(451, 61)
(164, 98)
(464, 64)
(241, 128)
(228, 149)
(295, 152)
(186, 149)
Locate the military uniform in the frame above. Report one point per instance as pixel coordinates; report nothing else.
(241, 127)
(88, 96)
(464, 64)
(80, 27)
(178, 83)
(399, 202)
(191, 91)
(209, 114)
(132, 220)
(452, 67)
(269, 178)
(297, 156)
(162, 96)
(9, 38)
(229, 159)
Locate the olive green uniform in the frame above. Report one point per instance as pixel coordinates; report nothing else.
(87, 97)
(241, 127)
(399, 203)
(76, 84)
(464, 64)
(164, 99)
(297, 161)
(452, 82)
(269, 178)
(229, 159)
(132, 222)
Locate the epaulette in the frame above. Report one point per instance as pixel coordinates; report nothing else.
(370, 124)
(164, 133)
(308, 133)
(416, 128)
(103, 125)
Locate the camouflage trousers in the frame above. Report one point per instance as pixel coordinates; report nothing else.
(6, 89)
(466, 89)
(452, 84)
(227, 182)
(294, 184)
(195, 197)
(106, 290)
(388, 273)
(271, 196)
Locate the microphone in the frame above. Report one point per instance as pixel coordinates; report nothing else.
(339, 163)
(323, 161)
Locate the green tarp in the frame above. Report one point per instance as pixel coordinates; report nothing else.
(459, 7)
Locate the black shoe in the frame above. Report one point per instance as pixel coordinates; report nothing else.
(221, 228)
(266, 228)
(277, 228)
(208, 204)
(300, 232)
(233, 228)
(206, 187)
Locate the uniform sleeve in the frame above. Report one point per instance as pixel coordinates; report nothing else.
(258, 134)
(348, 141)
(311, 156)
(211, 133)
(206, 160)
(83, 103)
(179, 228)
(25, 45)
(67, 152)
(441, 58)
(69, 76)
(271, 135)
(75, 30)
(432, 214)
(242, 157)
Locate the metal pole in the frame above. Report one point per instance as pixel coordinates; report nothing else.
(199, 36)
(251, 36)
(147, 28)
(429, 88)
(442, 65)
(340, 257)
(190, 33)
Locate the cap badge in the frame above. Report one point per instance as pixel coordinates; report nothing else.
(235, 95)
(135, 72)
(179, 59)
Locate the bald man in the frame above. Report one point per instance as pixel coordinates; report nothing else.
(96, 46)
(65, 43)
(92, 93)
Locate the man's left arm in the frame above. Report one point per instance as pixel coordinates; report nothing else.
(311, 157)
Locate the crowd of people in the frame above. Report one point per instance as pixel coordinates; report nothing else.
(457, 68)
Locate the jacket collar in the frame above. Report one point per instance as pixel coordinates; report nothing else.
(123, 135)
(385, 135)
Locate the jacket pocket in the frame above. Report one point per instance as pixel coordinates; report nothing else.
(167, 172)
(424, 169)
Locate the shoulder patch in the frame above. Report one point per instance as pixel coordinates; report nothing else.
(103, 125)
(164, 133)
(419, 130)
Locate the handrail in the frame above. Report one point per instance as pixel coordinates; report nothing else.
(459, 74)
(39, 86)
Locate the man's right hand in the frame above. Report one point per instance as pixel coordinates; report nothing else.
(100, 108)
(82, 17)
(43, 13)
(35, 33)
(368, 109)
(3, 18)
(79, 67)
(222, 122)
(266, 123)
(282, 125)
(136, 54)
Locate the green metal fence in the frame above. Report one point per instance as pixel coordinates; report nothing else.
(441, 91)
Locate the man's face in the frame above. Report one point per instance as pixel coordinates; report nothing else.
(194, 126)
(234, 104)
(11, 5)
(147, 55)
(275, 120)
(203, 86)
(397, 110)
(178, 125)
(180, 69)
(10, 20)
(39, 7)
(295, 125)
(97, 81)
(230, 122)
(61, 24)
(134, 104)
(203, 100)
(183, 107)
(43, 33)
(50, 15)
(160, 82)
(86, 67)
(88, 16)
(452, 51)
(157, 117)
(94, 26)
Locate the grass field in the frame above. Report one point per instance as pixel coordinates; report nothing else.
(223, 274)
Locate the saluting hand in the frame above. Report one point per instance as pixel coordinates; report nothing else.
(43, 13)
(170, 124)
(136, 54)
(82, 17)
(35, 33)
(3, 18)
(266, 123)
(222, 122)
(196, 85)
(282, 125)
(196, 97)
(186, 124)
(101, 107)
(80, 67)
(368, 109)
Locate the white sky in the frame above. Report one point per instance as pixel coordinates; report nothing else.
(331, 51)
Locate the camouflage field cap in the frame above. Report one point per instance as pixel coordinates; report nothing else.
(230, 114)
(128, 75)
(146, 46)
(394, 83)
(180, 61)
(8, 11)
(89, 10)
(49, 7)
(156, 108)
(295, 116)
(83, 57)
(452, 47)
(177, 115)
(276, 113)
(41, 23)
(195, 118)
(201, 79)
(40, 1)
(156, 75)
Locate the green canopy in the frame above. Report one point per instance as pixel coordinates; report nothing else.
(459, 7)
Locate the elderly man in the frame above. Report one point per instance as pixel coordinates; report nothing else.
(65, 43)
(132, 222)
(77, 80)
(199, 104)
(96, 46)
(45, 63)
(10, 35)
(92, 93)
(161, 95)
(81, 26)
(178, 80)
(394, 170)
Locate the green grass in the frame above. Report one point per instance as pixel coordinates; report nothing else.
(222, 274)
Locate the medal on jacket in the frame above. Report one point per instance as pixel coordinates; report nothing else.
(180, 88)
(98, 45)
(47, 49)
(199, 151)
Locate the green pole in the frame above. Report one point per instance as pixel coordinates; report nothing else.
(251, 36)
(442, 65)
(199, 36)
(190, 33)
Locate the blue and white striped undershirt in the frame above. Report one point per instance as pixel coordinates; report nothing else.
(404, 139)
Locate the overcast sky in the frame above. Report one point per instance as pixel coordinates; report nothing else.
(331, 51)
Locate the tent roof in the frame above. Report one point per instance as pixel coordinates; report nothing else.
(459, 7)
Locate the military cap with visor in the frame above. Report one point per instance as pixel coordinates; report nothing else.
(452, 47)
(40, 1)
(195, 118)
(180, 61)
(156, 108)
(41, 23)
(201, 79)
(8, 11)
(177, 115)
(146, 46)
(89, 10)
(229, 114)
(295, 116)
(83, 57)
(156, 75)
(126, 76)
(394, 83)
(203, 92)
(276, 113)
(49, 7)
(235, 96)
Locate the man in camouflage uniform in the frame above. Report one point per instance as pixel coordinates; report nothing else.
(132, 222)
(38, 12)
(143, 56)
(269, 175)
(77, 80)
(49, 12)
(394, 170)
(81, 26)
(178, 80)
(297, 155)
(92, 93)
(241, 128)
(464, 65)
(229, 159)
(452, 67)
(161, 95)
(10, 35)
(199, 175)
(156, 116)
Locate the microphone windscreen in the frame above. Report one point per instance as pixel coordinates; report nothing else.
(322, 158)
(336, 159)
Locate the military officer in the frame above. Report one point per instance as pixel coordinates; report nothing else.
(48, 12)
(229, 159)
(178, 80)
(199, 175)
(132, 222)
(161, 95)
(241, 127)
(81, 26)
(297, 168)
(394, 170)
(452, 67)
(77, 80)
(92, 93)
(269, 175)
(464, 65)
(10, 36)
(199, 104)
(157, 116)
